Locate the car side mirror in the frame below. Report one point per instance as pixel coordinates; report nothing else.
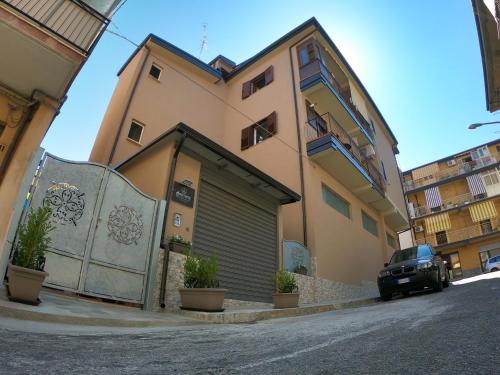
(386, 264)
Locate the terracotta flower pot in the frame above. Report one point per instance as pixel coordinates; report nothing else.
(25, 284)
(179, 248)
(202, 299)
(285, 300)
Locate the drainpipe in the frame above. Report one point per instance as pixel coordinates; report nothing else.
(125, 112)
(299, 141)
(163, 245)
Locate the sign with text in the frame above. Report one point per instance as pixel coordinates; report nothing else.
(183, 194)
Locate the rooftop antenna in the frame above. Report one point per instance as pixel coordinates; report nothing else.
(204, 41)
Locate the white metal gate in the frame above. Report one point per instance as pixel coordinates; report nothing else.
(104, 230)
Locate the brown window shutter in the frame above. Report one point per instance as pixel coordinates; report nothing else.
(246, 89)
(271, 123)
(269, 75)
(246, 137)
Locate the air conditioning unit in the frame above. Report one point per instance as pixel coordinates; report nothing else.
(451, 162)
(419, 228)
(368, 151)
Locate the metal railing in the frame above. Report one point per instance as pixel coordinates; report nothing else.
(317, 66)
(326, 124)
(71, 20)
(451, 236)
(448, 203)
(456, 170)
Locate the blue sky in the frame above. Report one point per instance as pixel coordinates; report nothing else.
(419, 60)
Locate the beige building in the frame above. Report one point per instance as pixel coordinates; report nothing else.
(486, 14)
(287, 145)
(44, 44)
(453, 204)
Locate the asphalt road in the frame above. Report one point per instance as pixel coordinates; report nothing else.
(456, 331)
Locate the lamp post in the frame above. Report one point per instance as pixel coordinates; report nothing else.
(478, 124)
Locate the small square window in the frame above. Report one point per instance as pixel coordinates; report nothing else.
(2, 127)
(135, 132)
(369, 224)
(336, 201)
(155, 72)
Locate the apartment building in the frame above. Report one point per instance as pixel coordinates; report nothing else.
(319, 158)
(487, 15)
(44, 44)
(453, 204)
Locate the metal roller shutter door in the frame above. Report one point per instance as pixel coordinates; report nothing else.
(244, 238)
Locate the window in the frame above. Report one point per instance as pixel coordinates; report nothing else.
(391, 241)
(486, 226)
(155, 72)
(135, 132)
(441, 238)
(257, 83)
(383, 169)
(424, 251)
(258, 132)
(369, 224)
(491, 178)
(335, 201)
(2, 127)
(306, 54)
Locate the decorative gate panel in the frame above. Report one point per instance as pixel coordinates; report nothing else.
(104, 230)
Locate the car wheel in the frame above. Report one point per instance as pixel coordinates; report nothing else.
(438, 286)
(385, 296)
(446, 282)
(494, 269)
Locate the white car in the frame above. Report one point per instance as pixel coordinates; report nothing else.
(493, 264)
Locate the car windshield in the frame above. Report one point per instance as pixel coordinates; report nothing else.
(411, 253)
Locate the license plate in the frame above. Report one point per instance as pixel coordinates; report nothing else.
(404, 281)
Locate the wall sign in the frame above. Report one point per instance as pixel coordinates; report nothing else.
(183, 194)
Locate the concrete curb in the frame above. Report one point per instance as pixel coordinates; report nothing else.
(250, 316)
(179, 317)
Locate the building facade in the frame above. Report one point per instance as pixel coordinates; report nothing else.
(44, 44)
(296, 112)
(453, 205)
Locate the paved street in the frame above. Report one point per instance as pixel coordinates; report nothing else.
(456, 331)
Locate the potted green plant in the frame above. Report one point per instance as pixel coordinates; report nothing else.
(26, 270)
(287, 291)
(177, 244)
(201, 290)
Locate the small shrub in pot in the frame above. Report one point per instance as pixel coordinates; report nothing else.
(178, 244)
(201, 286)
(287, 294)
(26, 271)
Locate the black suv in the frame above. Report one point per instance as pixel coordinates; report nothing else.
(412, 269)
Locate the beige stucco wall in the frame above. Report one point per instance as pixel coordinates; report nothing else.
(27, 146)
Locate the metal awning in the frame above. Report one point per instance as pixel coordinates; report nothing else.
(483, 211)
(437, 223)
(225, 159)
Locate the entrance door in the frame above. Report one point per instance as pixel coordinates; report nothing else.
(102, 241)
(453, 260)
(238, 225)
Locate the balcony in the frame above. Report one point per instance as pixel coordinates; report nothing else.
(448, 204)
(461, 168)
(71, 21)
(450, 237)
(316, 80)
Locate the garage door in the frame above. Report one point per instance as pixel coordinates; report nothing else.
(237, 222)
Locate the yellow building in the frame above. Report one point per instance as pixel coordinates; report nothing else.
(44, 44)
(454, 204)
(297, 112)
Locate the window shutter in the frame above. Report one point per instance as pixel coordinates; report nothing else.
(271, 123)
(269, 75)
(246, 89)
(246, 137)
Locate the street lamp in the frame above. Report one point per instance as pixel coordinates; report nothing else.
(478, 124)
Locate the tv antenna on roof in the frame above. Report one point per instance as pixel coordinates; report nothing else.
(204, 41)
